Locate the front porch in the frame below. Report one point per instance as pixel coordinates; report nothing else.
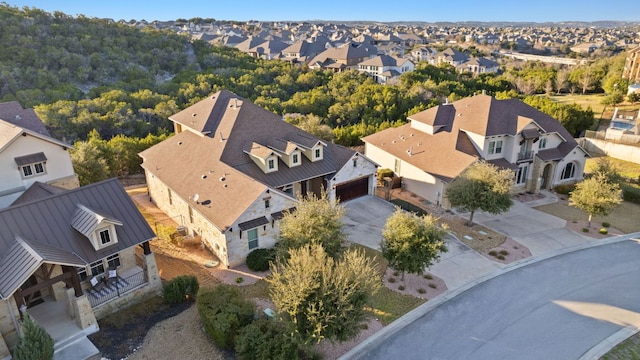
(70, 341)
(111, 288)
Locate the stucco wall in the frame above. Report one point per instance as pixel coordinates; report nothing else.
(618, 151)
(58, 164)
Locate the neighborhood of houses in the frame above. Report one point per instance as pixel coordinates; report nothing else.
(70, 255)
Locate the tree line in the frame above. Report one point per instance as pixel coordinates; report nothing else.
(126, 82)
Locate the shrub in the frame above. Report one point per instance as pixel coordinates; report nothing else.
(630, 193)
(224, 312)
(258, 259)
(433, 286)
(401, 287)
(422, 291)
(604, 231)
(493, 253)
(35, 344)
(382, 173)
(181, 288)
(585, 229)
(605, 224)
(239, 280)
(565, 189)
(504, 252)
(427, 276)
(392, 279)
(500, 257)
(396, 273)
(266, 339)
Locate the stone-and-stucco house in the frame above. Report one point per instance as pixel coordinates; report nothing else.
(28, 154)
(232, 169)
(68, 257)
(383, 68)
(438, 144)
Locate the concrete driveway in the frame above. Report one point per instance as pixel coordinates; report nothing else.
(365, 218)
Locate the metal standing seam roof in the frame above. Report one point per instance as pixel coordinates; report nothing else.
(253, 223)
(24, 258)
(30, 159)
(86, 220)
(46, 223)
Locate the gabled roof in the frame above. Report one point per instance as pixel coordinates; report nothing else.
(37, 190)
(24, 258)
(44, 225)
(13, 113)
(449, 150)
(215, 146)
(10, 132)
(87, 220)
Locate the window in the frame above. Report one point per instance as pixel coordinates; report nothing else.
(396, 167)
(521, 175)
(97, 268)
(190, 214)
(170, 197)
(568, 171)
(253, 238)
(39, 167)
(27, 171)
(317, 154)
(105, 238)
(82, 273)
(267, 203)
(295, 159)
(542, 143)
(31, 169)
(113, 261)
(495, 147)
(271, 164)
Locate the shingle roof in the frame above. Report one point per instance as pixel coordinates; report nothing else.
(224, 128)
(13, 112)
(446, 153)
(45, 224)
(36, 191)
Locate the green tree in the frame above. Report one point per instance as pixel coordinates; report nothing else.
(35, 344)
(609, 170)
(89, 162)
(316, 220)
(596, 196)
(321, 297)
(412, 243)
(481, 186)
(313, 125)
(223, 312)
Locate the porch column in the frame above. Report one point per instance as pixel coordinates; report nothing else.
(75, 280)
(151, 271)
(4, 349)
(146, 248)
(82, 311)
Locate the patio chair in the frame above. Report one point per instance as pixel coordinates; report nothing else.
(113, 276)
(96, 284)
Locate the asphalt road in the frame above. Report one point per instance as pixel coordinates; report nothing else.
(557, 308)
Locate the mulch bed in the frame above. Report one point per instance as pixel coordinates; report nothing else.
(124, 332)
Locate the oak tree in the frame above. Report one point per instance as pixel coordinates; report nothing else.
(596, 196)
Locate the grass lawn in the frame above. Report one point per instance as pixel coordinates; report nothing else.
(589, 100)
(624, 217)
(627, 169)
(626, 350)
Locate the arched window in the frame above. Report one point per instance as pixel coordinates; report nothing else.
(568, 171)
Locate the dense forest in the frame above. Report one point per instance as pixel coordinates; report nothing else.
(109, 88)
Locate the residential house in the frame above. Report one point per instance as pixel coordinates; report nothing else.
(450, 56)
(384, 67)
(479, 65)
(438, 144)
(68, 257)
(631, 69)
(233, 169)
(343, 57)
(28, 154)
(423, 53)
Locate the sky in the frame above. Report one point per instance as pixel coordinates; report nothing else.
(348, 10)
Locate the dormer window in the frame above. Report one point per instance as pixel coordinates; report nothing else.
(105, 238)
(295, 159)
(317, 153)
(271, 164)
(98, 228)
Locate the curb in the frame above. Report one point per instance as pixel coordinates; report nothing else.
(368, 344)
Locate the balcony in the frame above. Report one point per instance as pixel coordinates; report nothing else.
(525, 156)
(114, 288)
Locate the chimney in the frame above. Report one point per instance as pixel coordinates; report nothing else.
(484, 92)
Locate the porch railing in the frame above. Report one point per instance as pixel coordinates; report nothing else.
(525, 155)
(106, 291)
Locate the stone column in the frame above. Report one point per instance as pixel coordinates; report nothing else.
(83, 313)
(151, 271)
(4, 349)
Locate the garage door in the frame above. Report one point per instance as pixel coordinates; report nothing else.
(353, 189)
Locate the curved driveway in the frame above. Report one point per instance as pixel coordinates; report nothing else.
(558, 308)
